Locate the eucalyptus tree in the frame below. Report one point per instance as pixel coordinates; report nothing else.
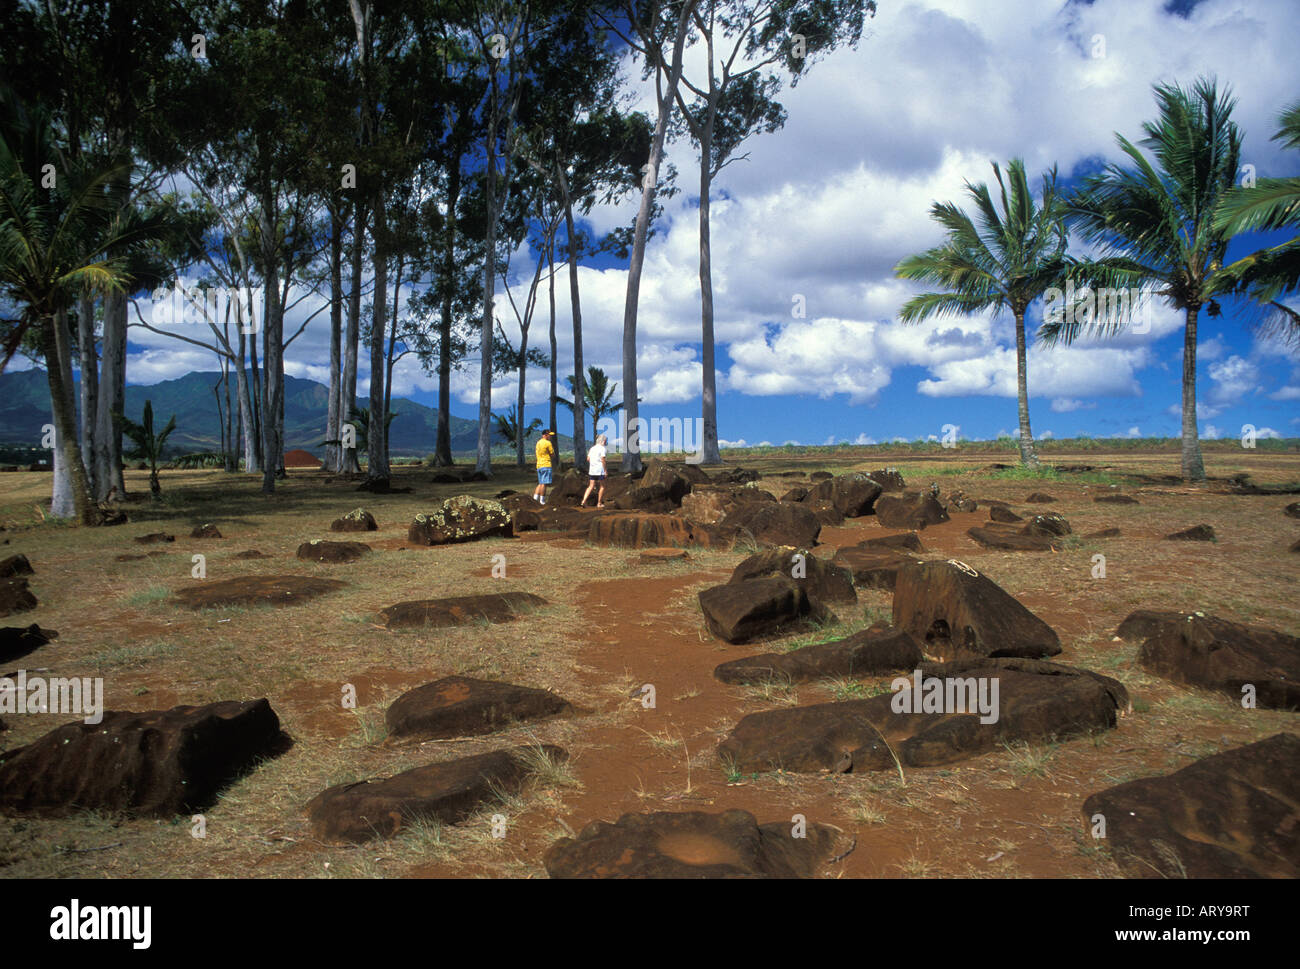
(1003, 258)
(748, 46)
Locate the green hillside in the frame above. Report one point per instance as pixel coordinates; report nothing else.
(25, 407)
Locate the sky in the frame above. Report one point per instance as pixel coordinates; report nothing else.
(807, 230)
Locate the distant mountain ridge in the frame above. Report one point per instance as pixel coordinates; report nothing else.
(25, 408)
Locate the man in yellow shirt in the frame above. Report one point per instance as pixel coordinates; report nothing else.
(545, 456)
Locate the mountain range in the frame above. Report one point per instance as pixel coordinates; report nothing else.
(25, 408)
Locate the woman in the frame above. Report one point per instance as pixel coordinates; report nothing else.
(596, 471)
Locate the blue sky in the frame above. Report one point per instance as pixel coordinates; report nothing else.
(822, 211)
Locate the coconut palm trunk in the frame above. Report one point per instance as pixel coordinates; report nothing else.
(1028, 456)
(1193, 465)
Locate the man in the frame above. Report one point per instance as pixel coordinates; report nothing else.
(545, 452)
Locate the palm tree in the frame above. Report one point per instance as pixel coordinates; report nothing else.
(1155, 225)
(1274, 203)
(1006, 261)
(509, 431)
(148, 445)
(61, 235)
(598, 395)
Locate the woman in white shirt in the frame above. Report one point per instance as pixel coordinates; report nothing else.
(596, 471)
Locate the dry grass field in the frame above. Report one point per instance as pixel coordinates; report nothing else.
(611, 625)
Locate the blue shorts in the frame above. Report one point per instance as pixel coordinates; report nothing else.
(544, 475)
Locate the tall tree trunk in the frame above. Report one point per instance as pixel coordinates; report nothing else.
(1193, 464)
(709, 453)
(228, 461)
(112, 399)
(631, 441)
(483, 461)
(272, 357)
(520, 426)
(351, 345)
(88, 363)
(332, 452)
(1028, 457)
(579, 374)
(252, 445)
(390, 359)
(377, 444)
(58, 366)
(550, 281)
(442, 446)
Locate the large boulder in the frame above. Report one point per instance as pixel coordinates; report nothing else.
(448, 792)
(550, 517)
(1226, 657)
(871, 652)
(1041, 533)
(943, 713)
(15, 596)
(889, 479)
(906, 541)
(911, 510)
(957, 612)
(357, 520)
(853, 495)
(332, 552)
(1292, 509)
(460, 519)
(1230, 815)
(828, 582)
(775, 523)
(459, 610)
(872, 566)
(695, 845)
(676, 478)
(710, 504)
(741, 611)
(655, 498)
(460, 706)
(256, 590)
(154, 764)
(17, 641)
(825, 512)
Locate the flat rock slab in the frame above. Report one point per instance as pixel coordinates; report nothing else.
(332, 552)
(1103, 533)
(1000, 513)
(128, 557)
(15, 596)
(1039, 498)
(461, 519)
(154, 538)
(825, 581)
(447, 792)
(911, 510)
(461, 706)
(250, 553)
(634, 530)
(256, 590)
(154, 764)
(1197, 533)
(1230, 815)
(15, 565)
(1219, 655)
(1041, 533)
(741, 611)
(19, 641)
(955, 612)
(551, 517)
(1036, 700)
(694, 844)
(906, 541)
(1116, 500)
(872, 566)
(459, 610)
(655, 556)
(871, 652)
